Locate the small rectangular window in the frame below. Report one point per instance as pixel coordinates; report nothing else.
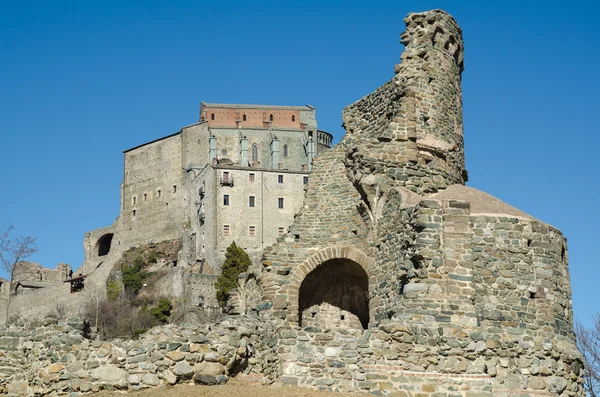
(252, 231)
(158, 193)
(305, 180)
(226, 230)
(280, 202)
(281, 231)
(280, 178)
(225, 199)
(134, 212)
(133, 200)
(251, 177)
(145, 196)
(174, 188)
(251, 201)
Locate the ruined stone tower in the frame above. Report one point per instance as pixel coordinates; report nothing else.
(410, 131)
(397, 278)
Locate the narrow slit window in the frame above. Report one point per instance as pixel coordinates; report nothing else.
(280, 202)
(305, 180)
(251, 201)
(134, 212)
(145, 196)
(133, 200)
(254, 153)
(212, 116)
(285, 150)
(225, 199)
(158, 193)
(279, 178)
(271, 117)
(244, 118)
(293, 118)
(174, 188)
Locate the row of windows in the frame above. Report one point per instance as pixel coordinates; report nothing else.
(212, 117)
(146, 196)
(134, 212)
(252, 201)
(251, 231)
(252, 178)
(254, 152)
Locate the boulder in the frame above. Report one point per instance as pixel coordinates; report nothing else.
(556, 384)
(109, 373)
(151, 380)
(209, 369)
(183, 369)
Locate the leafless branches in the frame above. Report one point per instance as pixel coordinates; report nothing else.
(12, 251)
(588, 341)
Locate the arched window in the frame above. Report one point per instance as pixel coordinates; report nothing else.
(271, 118)
(212, 116)
(293, 118)
(285, 150)
(254, 153)
(244, 117)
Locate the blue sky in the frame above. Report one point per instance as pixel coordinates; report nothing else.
(82, 81)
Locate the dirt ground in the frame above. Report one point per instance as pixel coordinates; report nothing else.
(231, 389)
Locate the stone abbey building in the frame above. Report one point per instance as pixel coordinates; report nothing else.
(236, 175)
(239, 174)
(394, 278)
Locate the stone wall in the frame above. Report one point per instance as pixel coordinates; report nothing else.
(58, 360)
(459, 302)
(154, 197)
(330, 218)
(410, 131)
(200, 290)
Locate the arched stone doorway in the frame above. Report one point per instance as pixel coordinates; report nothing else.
(335, 295)
(104, 243)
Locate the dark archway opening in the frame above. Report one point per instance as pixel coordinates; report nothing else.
(334, 294)
(104, 244)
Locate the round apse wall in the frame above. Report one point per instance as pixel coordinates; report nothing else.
(337, 283)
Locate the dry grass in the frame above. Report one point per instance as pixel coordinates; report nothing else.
(231, 389)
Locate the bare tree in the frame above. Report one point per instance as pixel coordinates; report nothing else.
(588, 342)
(12, 251)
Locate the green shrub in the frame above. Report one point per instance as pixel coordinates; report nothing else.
(113, 290)
(152, 257)
(236, 262)
(162, 311)
(133, 276)
(138, 261)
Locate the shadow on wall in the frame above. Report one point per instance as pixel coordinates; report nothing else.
(104, 243)
(335, 294)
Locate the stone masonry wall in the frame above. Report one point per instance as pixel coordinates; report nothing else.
(57, 360)
(463, 304)
(313, 230)
(410, 131)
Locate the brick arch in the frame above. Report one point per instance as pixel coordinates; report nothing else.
(315, 260)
